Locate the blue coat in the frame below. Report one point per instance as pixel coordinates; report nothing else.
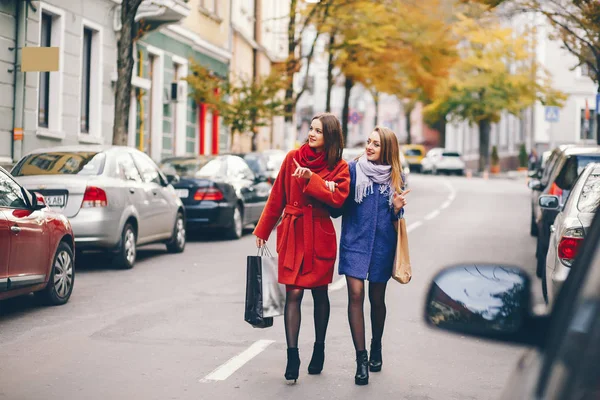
(368, 243)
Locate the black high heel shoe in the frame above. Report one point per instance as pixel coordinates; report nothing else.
(376, 361)
(362, 368)
(318, 359)
(292, 370)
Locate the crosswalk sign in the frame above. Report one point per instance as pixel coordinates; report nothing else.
(552, 114)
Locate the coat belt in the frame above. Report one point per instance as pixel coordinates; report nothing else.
(308, 213)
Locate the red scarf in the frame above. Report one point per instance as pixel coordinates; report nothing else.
(307, 157)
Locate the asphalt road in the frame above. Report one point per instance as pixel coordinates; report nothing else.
(173, 328)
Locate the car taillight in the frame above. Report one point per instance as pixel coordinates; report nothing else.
(569, 245)
(94, 197)
(208, 194)
(555, 190)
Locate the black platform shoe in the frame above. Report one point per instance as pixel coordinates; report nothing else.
(292, 370)
(318, 359)
(375, 362)
(362, 368)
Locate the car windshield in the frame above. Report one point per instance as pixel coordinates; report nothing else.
(61, 163)
(187, 167)
(590, 194)
(450, 154)
(255, 163)
(413, 152)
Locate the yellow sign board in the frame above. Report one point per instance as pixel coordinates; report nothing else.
(40, 59)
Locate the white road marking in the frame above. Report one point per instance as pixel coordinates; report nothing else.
(432, 215)
(226, 370)
(446, 204)
(413, 226)
(337, 285)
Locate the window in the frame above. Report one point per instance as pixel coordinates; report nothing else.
(590, 194)
(10, 193)
(587, 124)
(127, 169)
(586, 70)
(44, 94)
(86, 70)
(212, 6)
(90, 107)
(238, 169)
(61, 163)
(147, 169)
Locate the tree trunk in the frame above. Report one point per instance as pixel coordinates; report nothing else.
(484, 144)
(376, 100)
(407, 113)
(291, 66)
(348, 84)
(440, 127)
(124, 71)
(598, 116)
(330, 72)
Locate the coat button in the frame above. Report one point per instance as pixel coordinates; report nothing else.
(295, 203)
(310, 205)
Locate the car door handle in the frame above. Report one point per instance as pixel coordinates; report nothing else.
(131, 190)
(552, 228)
(15, 229)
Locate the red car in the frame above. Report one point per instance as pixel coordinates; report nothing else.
(36, 246)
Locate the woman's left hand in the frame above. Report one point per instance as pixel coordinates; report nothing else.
(302, 172)
(399, 200)
(331, 186)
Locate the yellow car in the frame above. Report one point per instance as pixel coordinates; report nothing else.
(414, 153)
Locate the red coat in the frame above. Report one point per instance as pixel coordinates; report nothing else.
(306, 240)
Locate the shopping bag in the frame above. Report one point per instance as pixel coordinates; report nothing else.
(402, 271)
(265, 297)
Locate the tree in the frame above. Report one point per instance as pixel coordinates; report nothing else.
(576, 23)
(494, 74)
(244, 104)
(128, 34)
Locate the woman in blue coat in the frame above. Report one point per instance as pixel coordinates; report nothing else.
(368, 242)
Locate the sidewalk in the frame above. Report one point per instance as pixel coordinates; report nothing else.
(514, 175)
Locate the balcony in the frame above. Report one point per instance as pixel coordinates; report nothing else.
(162, 12)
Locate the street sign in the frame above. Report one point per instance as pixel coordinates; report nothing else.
(552, 114)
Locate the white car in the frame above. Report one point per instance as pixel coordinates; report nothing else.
(440, 160)
(569, 229)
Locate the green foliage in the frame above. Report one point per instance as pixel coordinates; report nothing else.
(523, 157)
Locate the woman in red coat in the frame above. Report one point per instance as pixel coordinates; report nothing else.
(311, 179)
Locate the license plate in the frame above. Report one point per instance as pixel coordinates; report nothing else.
(182, 193)
(55, 201)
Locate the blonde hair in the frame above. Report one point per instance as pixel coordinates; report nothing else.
(390, 155)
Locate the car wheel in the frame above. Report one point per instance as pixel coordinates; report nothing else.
(533, 228)
(127, 252)
(178, 240)
(237, 225)
(62, 277)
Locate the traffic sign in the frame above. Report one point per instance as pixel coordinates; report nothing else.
(552, 113)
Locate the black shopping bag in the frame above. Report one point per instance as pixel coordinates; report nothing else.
(265, 297)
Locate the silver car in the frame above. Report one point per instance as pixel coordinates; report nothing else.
(570, 228)
(116, 198)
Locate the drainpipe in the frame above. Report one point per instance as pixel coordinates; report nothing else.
(19, 94)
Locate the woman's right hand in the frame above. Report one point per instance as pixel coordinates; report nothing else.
(260, 242)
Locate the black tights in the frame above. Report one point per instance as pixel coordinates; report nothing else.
(356, 316)
(293, 315)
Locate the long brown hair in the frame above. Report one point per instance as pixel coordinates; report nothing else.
(390, 155)
(334, 140)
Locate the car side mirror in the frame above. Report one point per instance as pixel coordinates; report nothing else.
(536, 185)
(38, 201)
(487, 301)
(173, 178)
(548, 202)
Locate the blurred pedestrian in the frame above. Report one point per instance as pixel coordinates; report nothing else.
(533, 160)
(312, 178)
(368, 243)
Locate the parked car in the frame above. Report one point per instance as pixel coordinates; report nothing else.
(414, 154)
(493, 302)
(259, 164)
(570, 228)
(274, 160)
(558, 179)
(219, 192)
(116, 198)
(440, 160)
(405, 167)
(36, 246)
(542, 174)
